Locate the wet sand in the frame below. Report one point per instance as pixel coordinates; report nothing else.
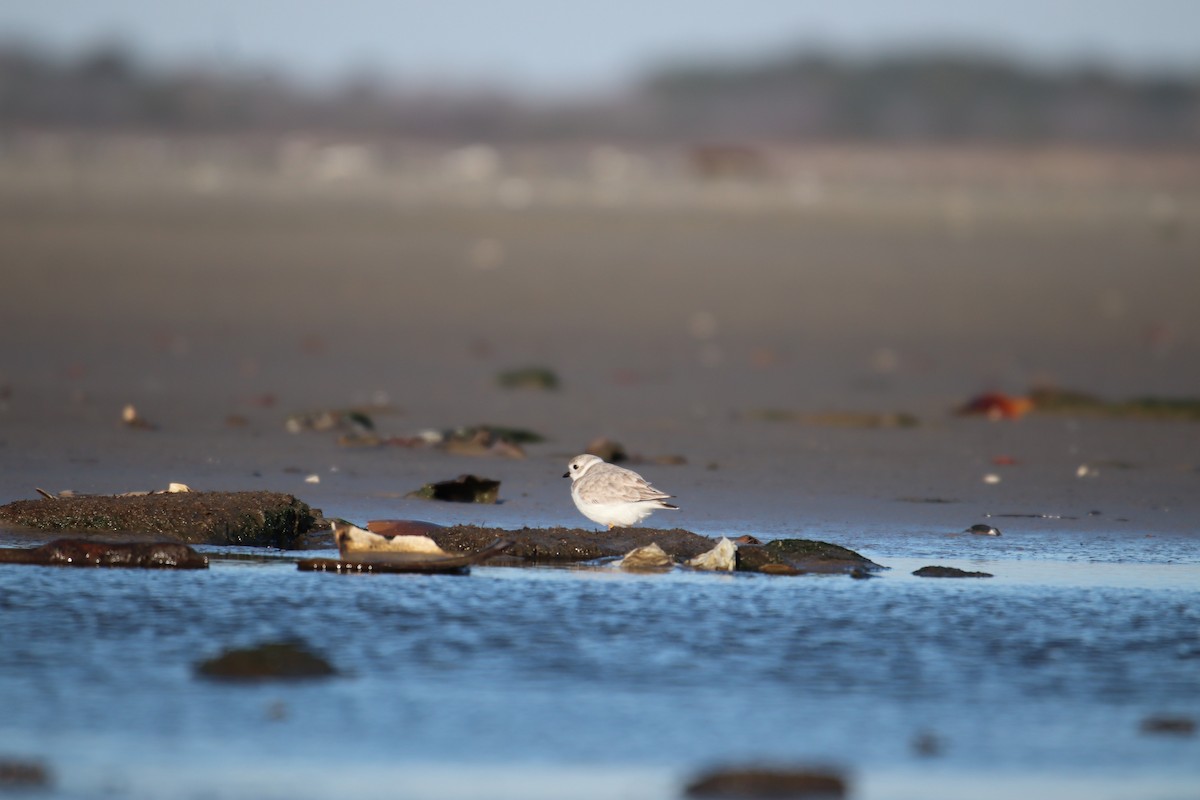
(218, 301)
(217, 307)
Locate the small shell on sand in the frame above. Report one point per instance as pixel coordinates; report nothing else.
(721, 557)
(352, 539)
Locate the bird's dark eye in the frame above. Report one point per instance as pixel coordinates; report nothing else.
(574, 466)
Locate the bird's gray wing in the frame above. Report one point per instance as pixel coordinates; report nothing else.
(620, 484)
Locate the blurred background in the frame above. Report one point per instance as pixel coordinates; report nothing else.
(1021, 72)
(851, 204)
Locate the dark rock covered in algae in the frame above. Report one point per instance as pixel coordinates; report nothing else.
(264, 519)
(271, 661)
(574, 545)
(83, 553)
(948, 572)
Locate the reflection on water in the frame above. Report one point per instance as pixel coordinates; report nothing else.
(613, 674)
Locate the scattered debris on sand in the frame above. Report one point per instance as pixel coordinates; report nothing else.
(266, 519)
(271, 661)
(996, 406)
(949, 572)
(84, 553)
(1065, 401)
(130, 418)
(838, 419)
(463, 489)
(753, 783)
(541, 378)
(343, 420)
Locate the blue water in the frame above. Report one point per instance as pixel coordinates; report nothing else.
(522, 672)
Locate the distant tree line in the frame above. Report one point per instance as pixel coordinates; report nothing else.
(918, 97)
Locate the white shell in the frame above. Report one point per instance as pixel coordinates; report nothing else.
(721, 557)
(649, 557)
(352, 539)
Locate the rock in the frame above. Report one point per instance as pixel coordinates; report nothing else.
(721, 557)
(463, 489)
(926, 745)
(287, 661)
(1168, 725)
(983, 529)
(264, 519)
(651, 557)
(803, 555)
(21, 775)
(768, 783)
(351, 539)
(402, 527)
(574, 545)
(949, 572)
(84, 553)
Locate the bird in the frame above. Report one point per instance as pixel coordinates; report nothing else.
(612, 495)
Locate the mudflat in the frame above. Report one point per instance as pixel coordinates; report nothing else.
(751, 327)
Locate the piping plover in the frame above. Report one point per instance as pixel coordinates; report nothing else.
(612, 495)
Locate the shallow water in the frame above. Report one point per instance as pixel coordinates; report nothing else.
(521, 682)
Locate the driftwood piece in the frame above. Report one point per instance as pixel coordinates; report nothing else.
(385, 561)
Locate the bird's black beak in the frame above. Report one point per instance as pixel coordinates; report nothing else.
(566, 474)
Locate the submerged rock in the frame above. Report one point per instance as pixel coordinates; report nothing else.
(949, 572)
(264, 519)
(84, 553)
(723, 557)
(463, 489)
(21, 775)
(802, 555)
(768, 783)
(1168, 725)
(266, 662)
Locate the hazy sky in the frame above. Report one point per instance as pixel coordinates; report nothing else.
(557, 45)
